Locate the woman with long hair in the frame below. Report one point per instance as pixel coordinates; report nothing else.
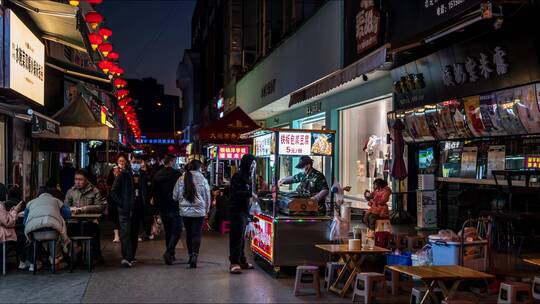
(192, 192)
(241, 192)
(121, 162)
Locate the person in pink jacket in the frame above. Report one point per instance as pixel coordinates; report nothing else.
(8, 218)
(377, 202)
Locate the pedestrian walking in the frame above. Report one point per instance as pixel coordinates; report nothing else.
(129, 192)
(241, 193)
(162, 193)
(192, 192)
(112, 209)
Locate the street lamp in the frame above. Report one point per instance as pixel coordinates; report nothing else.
(159, 104)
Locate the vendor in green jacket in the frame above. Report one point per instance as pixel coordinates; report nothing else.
(311, 182)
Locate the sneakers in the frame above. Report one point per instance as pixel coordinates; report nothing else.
(126, 263)
(39, 265)
(235, 269)
(24, 265)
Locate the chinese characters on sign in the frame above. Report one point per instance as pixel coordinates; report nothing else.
(232, 152)
(262, 241)
(157, 141)
(443, 7)
(409, 83)
(474, 68)
(262, 145)
(532, 162)
(294, 143)
(227, 135)
(367, 28)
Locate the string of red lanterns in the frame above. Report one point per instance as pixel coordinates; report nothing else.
(98, 40)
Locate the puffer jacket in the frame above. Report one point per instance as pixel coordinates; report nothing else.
(201, 205)
(46, 211)
(7, 224)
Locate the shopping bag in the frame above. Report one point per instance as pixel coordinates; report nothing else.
(250, 230)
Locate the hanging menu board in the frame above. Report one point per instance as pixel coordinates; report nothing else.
(445, 114)
(435, 123)
(496, 159)
(294, 143)
(490, 115)
(406, 134)
(508, 113)
(527, 108)
(468, 162)
(412, 125)
(422, 124)
(471, 106)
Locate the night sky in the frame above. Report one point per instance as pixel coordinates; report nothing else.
(150, 36)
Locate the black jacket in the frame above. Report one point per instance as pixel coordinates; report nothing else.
(123, 192)
(240, 194)
(162, 190)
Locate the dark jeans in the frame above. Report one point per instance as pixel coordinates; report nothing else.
(193, 227)
(88, 229)
(237, 238)
(148, 219)
(129, 233)
(172, 224)
(371, 220)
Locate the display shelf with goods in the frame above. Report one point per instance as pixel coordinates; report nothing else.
(291, 222)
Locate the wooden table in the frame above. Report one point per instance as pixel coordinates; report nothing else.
(438, 275)
(535, 262)
(353, 263)
(85, 217)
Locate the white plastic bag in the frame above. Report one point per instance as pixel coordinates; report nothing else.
(250, 230)
(254, 208)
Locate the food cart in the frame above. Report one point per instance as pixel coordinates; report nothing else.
(288, 227)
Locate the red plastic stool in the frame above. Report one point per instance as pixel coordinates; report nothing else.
(225, 227)
(382, 239)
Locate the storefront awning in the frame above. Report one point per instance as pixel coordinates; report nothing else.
(57, 21)
(228, 129)
(77, 122)
(373, 61)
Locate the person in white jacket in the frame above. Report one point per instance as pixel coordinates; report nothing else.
(192, 192)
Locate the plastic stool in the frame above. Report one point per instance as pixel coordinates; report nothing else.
(369, 285)
(380, 225)
(87, 251)
(397, 281)
(536, 288)
(415, 242)
(307, 276)
(330, 273)
(49, 236)
(382, 239)
(418, 293)
(514, 292)
(225, 227)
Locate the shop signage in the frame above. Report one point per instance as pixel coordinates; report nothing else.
(294, 143)
(532, 162)
(473, 68)
(363, 28)
(41, 125)
(157, 141)
(26, 60)
(322, 144)
(262, 241)
(262, 145)
(269, 88)
(232, 152)
(225, 135)
(409, 83)
(314, 108)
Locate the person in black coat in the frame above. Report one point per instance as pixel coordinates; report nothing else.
(241, 192)
(162, 193)
(129, 192)
(121, 162)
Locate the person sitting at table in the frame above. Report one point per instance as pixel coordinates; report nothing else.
(47, 213)
(8, 219)
(377, 202)
(14, 199)
(85, 198)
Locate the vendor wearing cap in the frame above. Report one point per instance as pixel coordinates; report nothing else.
(311, 181)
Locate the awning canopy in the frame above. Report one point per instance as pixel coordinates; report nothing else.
(57, 21)
(77, 122)
(375, 60)
(228, 129)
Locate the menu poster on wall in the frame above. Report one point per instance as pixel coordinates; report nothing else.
(532, 162)
(411, 124)
(262, 145)
(496, 159)
(490, 115)
(263, 237)
(527, 108)
(322, 143)
(468, 162)
(471, 106)
(445, 114)
(435, 123)
(459, 118)
(422, 124)
(508, 113)
(294, 143)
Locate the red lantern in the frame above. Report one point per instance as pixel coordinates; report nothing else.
(105, 32)
(119, 83)
(119, 71)
(94, 2)
(105, 66)
(105, 48)
(113, 56)
(95, 40)
(93, 19)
